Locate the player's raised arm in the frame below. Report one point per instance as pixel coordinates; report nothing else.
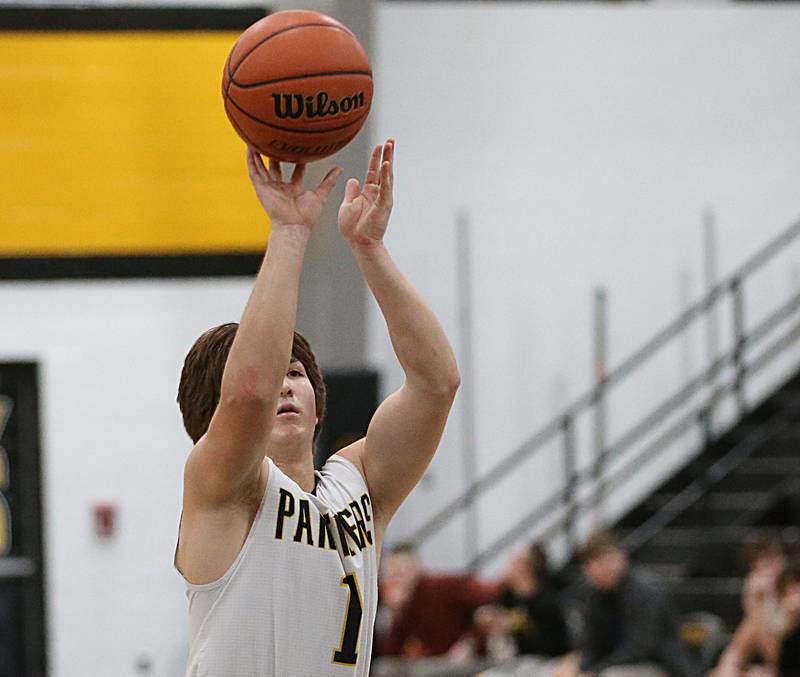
(407, 427)
(229, 454)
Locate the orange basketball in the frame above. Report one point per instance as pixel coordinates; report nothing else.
(297, 86)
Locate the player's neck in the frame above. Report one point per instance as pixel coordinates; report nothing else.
(296, 463)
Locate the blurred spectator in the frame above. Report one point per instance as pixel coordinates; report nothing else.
(758, 636)
(629, 625)
(785, 660)
(789, 599)
(427, 618)
(526, 620)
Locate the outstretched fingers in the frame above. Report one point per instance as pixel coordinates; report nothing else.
(351, 190)
(387, 179)
(328, 183)
(255, 165)
(388, 151)
(373, 170)
(387, 174)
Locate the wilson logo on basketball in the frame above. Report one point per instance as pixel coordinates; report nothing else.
(296, 106)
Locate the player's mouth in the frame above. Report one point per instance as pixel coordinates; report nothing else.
(287, 411)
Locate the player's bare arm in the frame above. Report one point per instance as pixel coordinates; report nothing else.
(226, 464)
(407, 427)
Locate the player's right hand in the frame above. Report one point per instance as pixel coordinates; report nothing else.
(286, 202)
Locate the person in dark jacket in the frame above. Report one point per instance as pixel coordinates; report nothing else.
(629, 624)
(527, 615)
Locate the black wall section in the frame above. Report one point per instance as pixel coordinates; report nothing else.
(128, 18)
(125, 267)
(352, 399)
(22, 604)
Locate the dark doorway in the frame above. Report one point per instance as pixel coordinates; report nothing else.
(22, 626)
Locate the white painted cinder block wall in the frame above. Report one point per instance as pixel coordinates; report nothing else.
(111, 355)
(583, 142)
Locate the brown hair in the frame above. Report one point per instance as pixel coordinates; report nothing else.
(201, 377)
(598, 544)
(538, 562)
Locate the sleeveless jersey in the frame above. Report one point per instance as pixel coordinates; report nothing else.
(301, 597)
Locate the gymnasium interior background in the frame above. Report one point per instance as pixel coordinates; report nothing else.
(571, 177)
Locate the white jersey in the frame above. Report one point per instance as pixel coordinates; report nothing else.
(300, 599)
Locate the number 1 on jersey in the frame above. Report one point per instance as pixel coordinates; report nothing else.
(347, 653)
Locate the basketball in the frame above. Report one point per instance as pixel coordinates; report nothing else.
(297, 86)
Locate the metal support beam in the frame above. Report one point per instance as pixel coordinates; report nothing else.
(332, 310)
(467, 394)
(710, 274)
(739, 342)
(570, 483)
(600, 376)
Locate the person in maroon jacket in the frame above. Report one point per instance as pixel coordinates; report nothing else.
(425, 616)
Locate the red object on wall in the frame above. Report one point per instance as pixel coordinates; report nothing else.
(105, 517)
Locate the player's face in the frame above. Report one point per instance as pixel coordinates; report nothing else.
(296, 414)
(605, 571)
(519, 567)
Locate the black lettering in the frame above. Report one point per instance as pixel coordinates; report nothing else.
(285, 509)
(364, 534)
(346, 529)
(310, 111)
(288, 105)
(364, 503)
(303, 523)
(295, 106)
(325, 537)
(322, 102)
(333, 108)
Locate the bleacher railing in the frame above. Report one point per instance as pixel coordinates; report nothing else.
(584, 489)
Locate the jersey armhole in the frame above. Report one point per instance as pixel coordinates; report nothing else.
(353, 469)
(245, 546)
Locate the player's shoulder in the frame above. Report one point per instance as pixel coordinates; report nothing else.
(347, 460)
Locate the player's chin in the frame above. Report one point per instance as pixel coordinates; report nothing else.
(290, 428)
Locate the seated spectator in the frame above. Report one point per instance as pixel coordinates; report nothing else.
(785, 661)
(629, 625)
(758, 637)
(427, 618)
(526, 620)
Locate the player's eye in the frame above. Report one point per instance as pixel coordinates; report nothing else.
(295, 372)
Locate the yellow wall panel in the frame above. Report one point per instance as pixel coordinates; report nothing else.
(116, 143)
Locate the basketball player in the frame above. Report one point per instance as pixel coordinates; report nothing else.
(280, 561)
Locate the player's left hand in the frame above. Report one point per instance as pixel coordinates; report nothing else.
(364, 213)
